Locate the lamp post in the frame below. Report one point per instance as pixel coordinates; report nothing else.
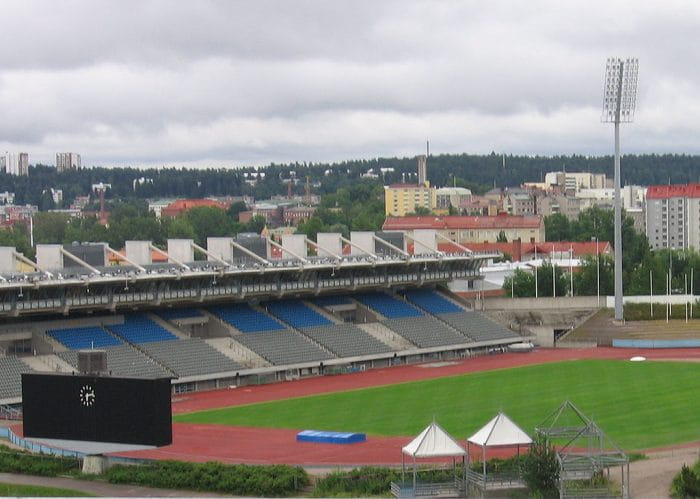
(619, 99)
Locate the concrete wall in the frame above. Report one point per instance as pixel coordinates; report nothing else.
(181, 250)
(138, 251)
(542, 303)
(221, 247)
(330, 241)
(296, 243)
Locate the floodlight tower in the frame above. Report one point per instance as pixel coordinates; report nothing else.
(619, 98)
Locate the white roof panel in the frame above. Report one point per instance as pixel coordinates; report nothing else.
(501, 430)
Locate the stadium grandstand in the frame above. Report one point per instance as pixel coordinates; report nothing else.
(241, 310)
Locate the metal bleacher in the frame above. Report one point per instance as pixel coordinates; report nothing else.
(138, 328)
(76, 338)
(477, 326)
(189, 357)
(11, 369)
(426, 331)
(122, 360)
(346, 340)
(282, 347)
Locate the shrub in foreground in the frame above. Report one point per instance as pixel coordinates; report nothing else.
(17, 461)
(238, 479)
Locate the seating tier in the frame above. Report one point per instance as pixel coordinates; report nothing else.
(388, 306)
(296, 313)
(77, 338)
(245, 318)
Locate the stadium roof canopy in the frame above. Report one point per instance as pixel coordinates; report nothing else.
(434, 441)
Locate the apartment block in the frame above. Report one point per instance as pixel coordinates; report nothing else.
(67, 161)
(673, 216)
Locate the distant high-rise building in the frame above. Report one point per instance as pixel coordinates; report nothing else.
(14, 164)
(67, 161)
(422, 169)
(23, 164)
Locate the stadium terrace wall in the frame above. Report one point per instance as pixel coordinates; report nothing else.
(273, 374)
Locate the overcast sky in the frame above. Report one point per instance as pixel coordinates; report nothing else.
(245, 83)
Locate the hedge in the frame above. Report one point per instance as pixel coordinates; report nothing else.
(238, 479)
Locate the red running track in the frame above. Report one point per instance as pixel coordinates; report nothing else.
(197, 442)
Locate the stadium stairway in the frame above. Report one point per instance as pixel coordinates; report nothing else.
(237, 352)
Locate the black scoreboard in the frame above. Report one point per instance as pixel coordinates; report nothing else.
(97, 408)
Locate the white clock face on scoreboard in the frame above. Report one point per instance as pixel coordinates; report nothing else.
(87, 396)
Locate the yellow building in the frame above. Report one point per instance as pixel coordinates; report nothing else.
(402, 199)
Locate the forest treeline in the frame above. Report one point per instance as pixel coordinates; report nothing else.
(477, 172)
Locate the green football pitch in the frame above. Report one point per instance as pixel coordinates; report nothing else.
(638, 404)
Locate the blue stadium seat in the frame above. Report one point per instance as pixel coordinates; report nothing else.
(245, 319)
(431, 301)
(296, 313)
(77, 338)
(138, 328)
(389, 307)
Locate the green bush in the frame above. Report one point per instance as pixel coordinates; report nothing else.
(540, 468)
(16, 461)
(686, 484)
(239, 479)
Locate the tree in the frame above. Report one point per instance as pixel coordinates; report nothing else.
(557, 227)
(181, 228)
(502, 237)
(422, 210)
(255, 224)
(521, 284)
(235, 209)
(208, 221)
(541, 469)
(586, 279)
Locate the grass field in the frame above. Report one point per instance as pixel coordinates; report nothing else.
(638, 404)
(15, 490)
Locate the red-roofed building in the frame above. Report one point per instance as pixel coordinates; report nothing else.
(673, 216)
(182, 205)
(474, 229)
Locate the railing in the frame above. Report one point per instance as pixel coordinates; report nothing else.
(7, 412)
(425, 489)
(491, 481)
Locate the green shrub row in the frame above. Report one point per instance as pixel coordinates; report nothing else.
(16, 461)
(641, 311)
(238, 479)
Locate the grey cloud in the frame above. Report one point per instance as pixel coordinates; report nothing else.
(221, 81)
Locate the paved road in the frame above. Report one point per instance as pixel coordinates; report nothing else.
(99, 488)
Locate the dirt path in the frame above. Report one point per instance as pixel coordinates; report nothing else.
(652, 477)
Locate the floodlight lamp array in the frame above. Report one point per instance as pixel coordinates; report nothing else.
(620, 87)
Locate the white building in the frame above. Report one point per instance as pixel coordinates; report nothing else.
(576, 181)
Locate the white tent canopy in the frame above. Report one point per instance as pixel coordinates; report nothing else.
(500, 431)
(433, 442)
